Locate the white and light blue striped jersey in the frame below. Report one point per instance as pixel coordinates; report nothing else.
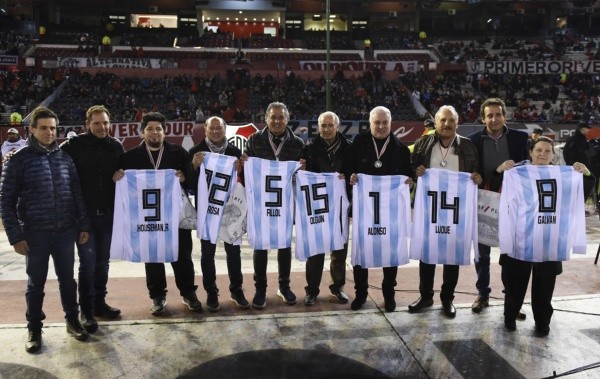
(444, 225)
(270, 204)
(380, 221)
(321, 213)
(148, 205)
(215, 181)
(542, 215)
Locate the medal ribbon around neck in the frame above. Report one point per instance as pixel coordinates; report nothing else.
(160, 154)
(378, 153)
(277, 150)
(443, 162)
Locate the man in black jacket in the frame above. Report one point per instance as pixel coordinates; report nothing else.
(43, 213)
(154, 153)
(326, 154)
(576, 149)
(377, 152)
(215, 142)
(275, 142)
(96, 156)
(498, 148)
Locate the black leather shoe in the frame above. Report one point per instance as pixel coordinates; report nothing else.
(358, 302)
(521, 316)
(310, 299)
(389, 303)
(75, 329)
(510, 324)
(449, 309)
(212, 301)
(89, 323)
(106, 311)
(419, 305)
(34, 341)
(340, 296)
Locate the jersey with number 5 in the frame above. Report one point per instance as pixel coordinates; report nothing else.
(270, 204)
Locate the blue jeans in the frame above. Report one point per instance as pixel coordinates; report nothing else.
(94, 261)
(42, 245)
(483, 271)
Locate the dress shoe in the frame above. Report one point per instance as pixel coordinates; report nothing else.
(75, 329)
(510, 324)
(89, 323)
(34, 341)
(158, 305)
(449, 309)
(286, 294)
(340, 296)
(541, 330)
(106, 311)
(419, 305)
(310, 299)
(389, 303)
(358, 302)
(521, 316)
(480, 303)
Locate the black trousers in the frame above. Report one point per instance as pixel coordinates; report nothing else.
(337, 269)
(426, 276)
(284, 261)
(515, 277)
(361, 281)
(209, 271)
(183, 268)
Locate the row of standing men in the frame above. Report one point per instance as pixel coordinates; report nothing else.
(53, 196)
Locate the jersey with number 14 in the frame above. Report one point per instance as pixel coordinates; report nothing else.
(148, 204)
(270, 204)
(445, 218)
(542, 216)
(216, 179)
(321, 213)
(380, 221)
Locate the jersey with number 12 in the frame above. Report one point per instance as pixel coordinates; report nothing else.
(270, 204)
(216, 179)
(380, 221)
(148, 204)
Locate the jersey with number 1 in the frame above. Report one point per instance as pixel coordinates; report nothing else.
(219, 173)
(380, 221)
(148, 204)
(270, 203)
(445, 218)
(321, 213)
(542, 216)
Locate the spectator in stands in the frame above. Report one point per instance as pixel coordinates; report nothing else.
(13, 143)
(42, 179)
